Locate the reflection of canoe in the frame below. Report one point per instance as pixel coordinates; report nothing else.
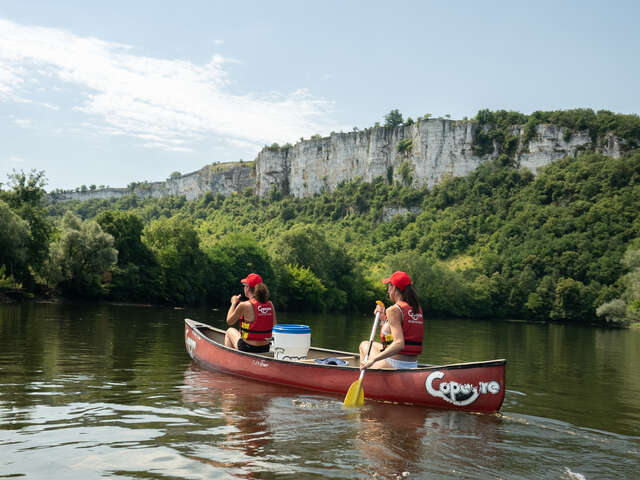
(477, 386)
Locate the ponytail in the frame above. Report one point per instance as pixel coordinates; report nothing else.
(409, 295)
(261, 292)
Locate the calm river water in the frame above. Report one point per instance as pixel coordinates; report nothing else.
(91, 392)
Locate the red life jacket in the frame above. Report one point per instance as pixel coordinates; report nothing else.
(262, 325)
(413, 331)
(412, 328)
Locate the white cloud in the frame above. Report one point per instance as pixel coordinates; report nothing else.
(219, 42)
(173, 102)
(16, 159)
(10, 78)
(23, 122)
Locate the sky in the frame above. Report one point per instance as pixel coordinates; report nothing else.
(108, 93)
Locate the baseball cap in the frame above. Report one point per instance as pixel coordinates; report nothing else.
(252, 279)
(398, 279)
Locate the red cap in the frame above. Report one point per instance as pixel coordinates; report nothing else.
(252, 279)
(398, 279)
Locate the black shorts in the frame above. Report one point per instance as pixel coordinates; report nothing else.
(245, 347)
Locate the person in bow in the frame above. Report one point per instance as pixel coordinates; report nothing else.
(402, 328)
(255, 315)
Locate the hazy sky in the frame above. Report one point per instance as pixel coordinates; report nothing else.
(120, 91)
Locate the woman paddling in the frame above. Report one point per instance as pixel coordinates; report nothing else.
(402, 328)
(257, 317)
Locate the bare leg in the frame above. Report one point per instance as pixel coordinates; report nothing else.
(231, 338)
(376, 348)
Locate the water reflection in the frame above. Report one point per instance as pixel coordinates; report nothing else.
(391, 438)
(405, 440)
(311, 433)
(243, 406)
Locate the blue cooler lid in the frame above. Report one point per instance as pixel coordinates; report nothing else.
(291, 328)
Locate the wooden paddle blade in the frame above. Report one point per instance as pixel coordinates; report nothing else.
(355, 395)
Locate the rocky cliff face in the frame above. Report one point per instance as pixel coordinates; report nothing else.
(218, 178)
(433, 150)
(424, 153)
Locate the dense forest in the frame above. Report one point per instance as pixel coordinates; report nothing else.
(563, 245)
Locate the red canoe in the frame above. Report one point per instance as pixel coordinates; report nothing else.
(477, 386)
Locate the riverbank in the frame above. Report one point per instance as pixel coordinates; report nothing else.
(17, 295)
(14, 295)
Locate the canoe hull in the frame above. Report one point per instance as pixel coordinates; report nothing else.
(478, 387)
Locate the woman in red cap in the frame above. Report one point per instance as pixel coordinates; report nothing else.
(402, 328)
(257, 317)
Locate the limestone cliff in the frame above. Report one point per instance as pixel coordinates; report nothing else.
(429, 152)
(424, 153)
(224, 178)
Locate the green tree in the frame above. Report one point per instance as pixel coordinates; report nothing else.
(79, 257)
(540, 302)
(573, 301)
(186, 270)
(405, 146)
(126, 230)
(302, 290)
(308, 247)
(15, 239)
(26, 198)
(406, 173)
(232, 258)
(137, 275)
(393, 119)
(625, 310)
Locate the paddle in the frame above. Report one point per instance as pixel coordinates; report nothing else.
(355, 394)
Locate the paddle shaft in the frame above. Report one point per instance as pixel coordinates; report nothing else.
(373, 333)
(355, 394)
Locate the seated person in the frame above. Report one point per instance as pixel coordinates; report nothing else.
(256, 315)
(402, 328)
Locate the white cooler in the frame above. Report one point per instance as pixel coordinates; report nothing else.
(291, 342)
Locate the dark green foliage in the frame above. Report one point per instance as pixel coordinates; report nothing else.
(406, 173)
(625, 310)
(186, 271)
(26, 199)
(308, 247)
(393, 119)
(405, 146)
(137, 275)
(302, 290)
(233, 258)
(14, 242)
(125, 228)
(79, 257)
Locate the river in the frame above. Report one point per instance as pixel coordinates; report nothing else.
(97, 391)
